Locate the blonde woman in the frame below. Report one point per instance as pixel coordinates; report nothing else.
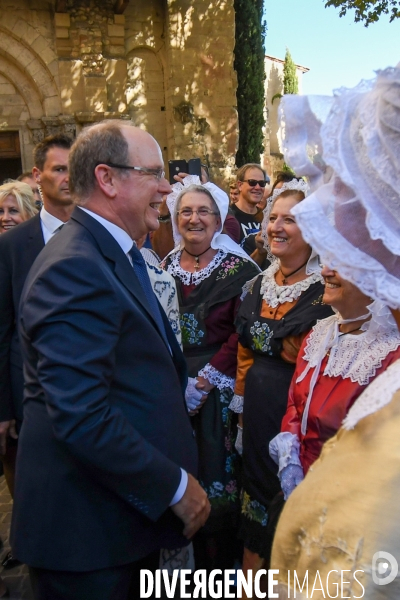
(17, 204)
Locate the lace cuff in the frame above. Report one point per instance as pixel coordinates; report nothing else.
(217, 378)
(236, 404)
(284, 449)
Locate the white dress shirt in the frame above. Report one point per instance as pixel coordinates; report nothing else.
(50, 224)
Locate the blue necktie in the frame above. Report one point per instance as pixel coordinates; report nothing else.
(140, 269)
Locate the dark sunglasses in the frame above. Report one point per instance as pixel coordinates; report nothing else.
(253, 182)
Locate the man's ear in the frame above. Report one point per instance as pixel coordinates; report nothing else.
(106, 180)
(36, 174)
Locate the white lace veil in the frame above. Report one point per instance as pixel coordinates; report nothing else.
(348, 146)
(220, 241)
(300, 185)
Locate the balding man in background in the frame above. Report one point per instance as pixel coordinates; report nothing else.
(107, 456)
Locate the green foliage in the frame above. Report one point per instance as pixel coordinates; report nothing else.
(276, 96)
(290, 81)
(249, 66)
(367, 11)
(288, 169)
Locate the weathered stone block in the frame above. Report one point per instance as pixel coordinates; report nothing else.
(62, 20)
(119, 19)
(62, 32)
(117, 41)
(52, 106)
(116, 30)
(117, 51)
(25, 31)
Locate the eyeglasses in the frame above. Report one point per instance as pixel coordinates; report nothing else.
(186, 213)
(253, 182)
(158, 173)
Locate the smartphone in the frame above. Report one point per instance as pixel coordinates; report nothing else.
(175, 167)
(192, 167)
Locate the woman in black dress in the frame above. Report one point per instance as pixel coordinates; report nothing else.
(210, 270)
(279, 308)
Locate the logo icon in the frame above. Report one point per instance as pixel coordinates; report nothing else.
(384, 568)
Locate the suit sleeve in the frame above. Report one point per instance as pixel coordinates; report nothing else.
(71, 319)
(7, 326)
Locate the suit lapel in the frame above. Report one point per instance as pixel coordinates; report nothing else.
(35, 241)
(112, 251)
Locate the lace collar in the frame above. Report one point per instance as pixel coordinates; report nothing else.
(377, 395)
(174, 268)
(355, 357)
(275, 294)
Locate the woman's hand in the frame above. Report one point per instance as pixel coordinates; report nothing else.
(180, 177)
(203, 386)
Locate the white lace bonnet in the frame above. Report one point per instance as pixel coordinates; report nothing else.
(299, 185)
(348, 146)
(220, 241)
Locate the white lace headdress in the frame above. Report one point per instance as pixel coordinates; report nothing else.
(348, 146)
(220, 241)
(300, 185)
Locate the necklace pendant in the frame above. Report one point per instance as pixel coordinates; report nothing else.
(284, 282)
(196, 263)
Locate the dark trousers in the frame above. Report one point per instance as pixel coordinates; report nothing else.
(115, 583)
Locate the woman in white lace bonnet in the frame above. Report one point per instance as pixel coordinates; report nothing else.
(345, 510)
(210, 270)
(279, 308)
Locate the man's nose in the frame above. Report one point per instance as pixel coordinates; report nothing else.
(164, 186)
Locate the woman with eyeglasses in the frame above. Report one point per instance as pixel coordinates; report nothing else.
(210, 270)
(279, 308)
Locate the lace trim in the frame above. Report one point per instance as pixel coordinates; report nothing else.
(236, 404)
(248, 287)
(175, 269)
(377, 395)
(217, 378)
(275, 294)
(355, 357)
(284, 449)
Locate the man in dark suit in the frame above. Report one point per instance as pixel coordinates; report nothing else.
(18, 249)
(106, 451)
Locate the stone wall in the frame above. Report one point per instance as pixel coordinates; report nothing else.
(165, 64)
(273, 157)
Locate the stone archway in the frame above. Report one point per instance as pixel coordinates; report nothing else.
(40, 66)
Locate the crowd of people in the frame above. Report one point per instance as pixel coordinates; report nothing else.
(197, 380)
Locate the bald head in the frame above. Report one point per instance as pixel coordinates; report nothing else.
(107, 142)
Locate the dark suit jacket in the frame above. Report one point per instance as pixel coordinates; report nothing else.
(18, 250)
(105, 428)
